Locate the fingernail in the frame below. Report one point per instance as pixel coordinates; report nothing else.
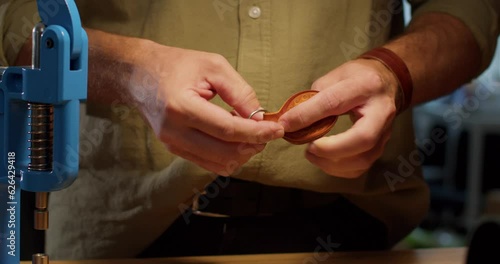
(279, 133)
(283, 123)
(311, 148)
(259, 116)
(260, 147)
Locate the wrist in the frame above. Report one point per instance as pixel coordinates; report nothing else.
(114, 65)
(145, 58)
(396, 72)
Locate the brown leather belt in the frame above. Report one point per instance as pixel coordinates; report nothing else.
(243, 198)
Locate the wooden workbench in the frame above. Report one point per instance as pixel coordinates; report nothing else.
(421, 256)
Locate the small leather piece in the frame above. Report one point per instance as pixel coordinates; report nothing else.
(395, 64)
(307, 134)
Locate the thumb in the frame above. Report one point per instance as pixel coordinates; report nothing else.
(335, 100)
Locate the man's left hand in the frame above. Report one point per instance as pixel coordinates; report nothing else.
(364, 89)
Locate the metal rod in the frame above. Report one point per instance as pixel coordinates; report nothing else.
(2, 70)
(41, 220)
(41, 200)
(41, 212)
(36, 41)
(40, 259)
(41, 141)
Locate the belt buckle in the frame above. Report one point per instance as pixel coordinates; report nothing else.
(195, 208)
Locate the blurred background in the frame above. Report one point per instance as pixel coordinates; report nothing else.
(462, 171)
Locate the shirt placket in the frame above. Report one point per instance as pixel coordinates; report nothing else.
(255, 46)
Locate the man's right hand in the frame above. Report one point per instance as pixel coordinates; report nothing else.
(174, 87)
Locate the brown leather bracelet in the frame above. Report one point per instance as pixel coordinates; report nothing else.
(395, 64)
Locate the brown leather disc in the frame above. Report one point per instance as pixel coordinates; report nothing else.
(307, 134)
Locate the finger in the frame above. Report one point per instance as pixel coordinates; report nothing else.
(362, 136)
(336, 100)
(221, 124)
(357, 163)
(211, 149)
(207, 165)
(326, 166)
(234, 113)
(233, 89)
(204, 89)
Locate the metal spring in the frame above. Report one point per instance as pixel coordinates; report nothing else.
(41, 141)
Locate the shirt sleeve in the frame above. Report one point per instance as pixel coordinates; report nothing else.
(481, 16)
(17, 19)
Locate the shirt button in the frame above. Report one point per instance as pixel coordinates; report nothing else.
(254, 12)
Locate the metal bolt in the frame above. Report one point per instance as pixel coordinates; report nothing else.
(40, 259)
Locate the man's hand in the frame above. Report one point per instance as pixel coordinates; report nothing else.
(172, 87)
(176, 104)
(365, 90)
(441, 54)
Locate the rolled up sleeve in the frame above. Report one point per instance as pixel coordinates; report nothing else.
(18, 18)
(480, 16)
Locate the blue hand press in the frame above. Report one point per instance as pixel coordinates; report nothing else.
(39, 121)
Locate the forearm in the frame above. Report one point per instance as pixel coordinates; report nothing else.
(441, 54)
(112, 62)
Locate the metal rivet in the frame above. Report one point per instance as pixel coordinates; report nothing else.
(49, 43)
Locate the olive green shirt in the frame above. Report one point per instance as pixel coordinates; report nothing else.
(130, 186)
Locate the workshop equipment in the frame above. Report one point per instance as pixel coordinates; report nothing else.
(39, 121)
